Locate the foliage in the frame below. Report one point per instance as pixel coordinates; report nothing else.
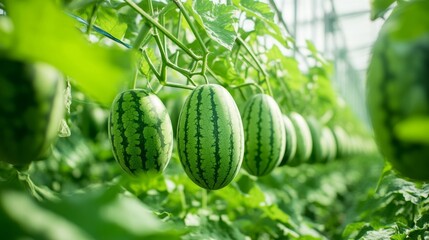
(170, 47)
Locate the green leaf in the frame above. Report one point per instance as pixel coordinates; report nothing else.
(379, 8)
(32, 221)
(108, 20)
(276, 214)
(211, 228)
(257, 8)
(353, 228)
(408, 190)
(225, 68)
(104, 212)
(48, 35)
(219, 21)
(381, 234)
(264, 18)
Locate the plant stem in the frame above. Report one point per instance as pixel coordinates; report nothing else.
(258, 64)
(152, 67)
(250, 84)
(182, 198)
(135, 79)
(247, 60)
(191, 24)
(178, 85)
(92, 18)
(215, 77)
(196, 34)
(162, 29)
(204, 198)
(143, 33)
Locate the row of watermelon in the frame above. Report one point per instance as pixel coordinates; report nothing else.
(214, 140)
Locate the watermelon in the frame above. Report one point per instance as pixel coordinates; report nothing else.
(265, 138)
(304, 140)
(31, 110)
(291, 141)
(210, 137)
(398, 89)
(140, 132)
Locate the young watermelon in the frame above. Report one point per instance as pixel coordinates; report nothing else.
(210, 137)
(304, 141)
(140, 132)
(264, 132)
(398, 89)
(31, 109)
(291, 141)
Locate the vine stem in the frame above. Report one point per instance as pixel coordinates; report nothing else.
(191, 24)
(197, 35)
(182, 198)
(258, 64)
(158, 75)
(251, 84)
(143, 33)
(163, 30)
(135, 78)
(204, 198)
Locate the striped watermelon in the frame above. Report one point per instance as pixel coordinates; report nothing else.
(291, 141)
(304, 141)
(140, 132)
(31, 109)
(265, 137)
(398, 89)
(210, 137)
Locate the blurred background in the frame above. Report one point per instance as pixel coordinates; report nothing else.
(343, 32)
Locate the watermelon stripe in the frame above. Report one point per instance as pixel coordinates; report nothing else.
(200, 170)
(126, 157)
(273, 163)
(247, 127)
(159, 126)
(231, 158)
(140, 129)
(112, 138)
(259, 140)
(214, 120)
(186, 140)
